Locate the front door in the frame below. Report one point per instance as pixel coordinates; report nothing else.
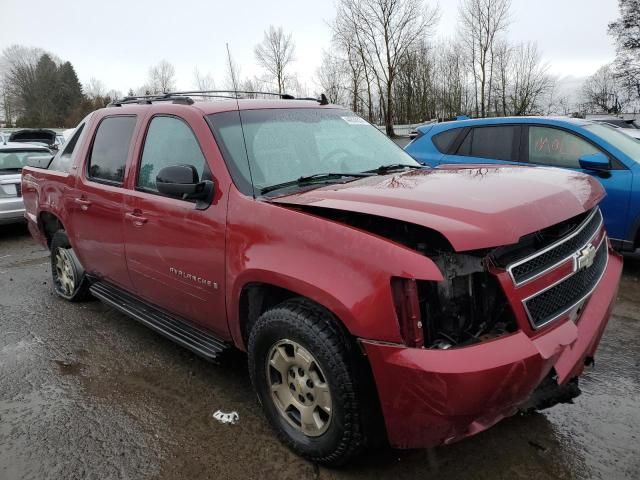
(96, 204)
(175, 252)
(559, 148)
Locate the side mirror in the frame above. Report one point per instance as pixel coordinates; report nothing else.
(182, 181)
(596, 161)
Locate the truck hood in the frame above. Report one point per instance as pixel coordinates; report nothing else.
(474, 208)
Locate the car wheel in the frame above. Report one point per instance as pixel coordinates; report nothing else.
(69, 280)
(300, 367)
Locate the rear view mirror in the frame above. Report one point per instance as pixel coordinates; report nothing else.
(595, 161)
(182, 181)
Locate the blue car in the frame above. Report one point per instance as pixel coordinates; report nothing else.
(594, 148)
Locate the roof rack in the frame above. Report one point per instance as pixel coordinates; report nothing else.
(184, 98)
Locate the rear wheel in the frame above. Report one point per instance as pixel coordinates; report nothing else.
(299, 362)
(69, 280)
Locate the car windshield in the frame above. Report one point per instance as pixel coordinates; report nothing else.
(283, 145)
(626, 144)
(16, 159)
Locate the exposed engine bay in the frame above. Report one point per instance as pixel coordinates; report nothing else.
(467, 307)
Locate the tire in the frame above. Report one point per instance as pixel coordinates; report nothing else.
(323, 355)
(69, 281)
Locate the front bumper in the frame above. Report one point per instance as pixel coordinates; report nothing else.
(11, 210)
(430, 397)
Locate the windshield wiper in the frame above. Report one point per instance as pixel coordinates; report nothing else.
(382, 169)
(315, 178)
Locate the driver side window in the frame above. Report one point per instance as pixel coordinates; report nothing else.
(169, 141)
(557, 148)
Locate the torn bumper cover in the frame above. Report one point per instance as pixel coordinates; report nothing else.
(430, 396)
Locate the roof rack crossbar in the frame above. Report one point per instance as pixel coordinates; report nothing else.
(184, 97)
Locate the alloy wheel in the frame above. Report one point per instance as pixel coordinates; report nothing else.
(298, 387)
(65, 276)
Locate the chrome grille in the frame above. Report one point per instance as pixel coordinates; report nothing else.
(533, 266)
(560, 298)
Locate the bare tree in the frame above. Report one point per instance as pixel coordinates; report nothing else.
(203, 81)
(162, 77)
(602, 92)
(626, 33)
(349, 40)
(388, 30)
(297, 88)
(481, 23)
(94, 88)
(17, 74)
(530, 80)
(503, 57)
(233, 72)
(330, 77)
(275, 53)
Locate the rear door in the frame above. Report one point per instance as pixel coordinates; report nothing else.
(487, 144)
(96, 204)
(175, 252)
(557, 147)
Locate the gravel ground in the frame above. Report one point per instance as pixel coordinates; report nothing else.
(86, 393)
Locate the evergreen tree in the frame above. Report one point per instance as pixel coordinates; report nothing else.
(46, 87)
(70, 94)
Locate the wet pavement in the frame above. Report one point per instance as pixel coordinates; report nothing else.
(88, 393)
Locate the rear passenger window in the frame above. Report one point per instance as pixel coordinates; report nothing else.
(444, 141)
(62, 161)
(557, 148)
(494, 143)
(169, 141)
(110, 149)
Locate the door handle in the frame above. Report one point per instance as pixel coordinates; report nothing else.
(137, 219)
(84, 204)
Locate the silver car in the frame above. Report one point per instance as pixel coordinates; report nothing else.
(13, 156)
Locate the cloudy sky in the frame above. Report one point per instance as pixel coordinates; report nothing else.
(116, 40)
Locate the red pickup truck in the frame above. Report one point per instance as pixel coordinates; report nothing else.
(375, 298)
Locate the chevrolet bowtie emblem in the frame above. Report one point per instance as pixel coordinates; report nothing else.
(585, 257)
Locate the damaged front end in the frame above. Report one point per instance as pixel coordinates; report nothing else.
(468, 306)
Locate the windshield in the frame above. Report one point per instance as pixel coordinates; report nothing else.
(16, 159)
(626, 144)
(283, 145)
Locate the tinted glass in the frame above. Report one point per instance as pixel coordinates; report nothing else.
(465, 146)
(283, 145)
(111, 148)
(443, 141)
(558, 148)
(169, 141)
(493, 142)
(62, 161)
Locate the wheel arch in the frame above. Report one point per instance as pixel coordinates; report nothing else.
(49, 224)
(257, 296)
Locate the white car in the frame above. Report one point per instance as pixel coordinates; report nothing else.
(626, 126)
(14, 156)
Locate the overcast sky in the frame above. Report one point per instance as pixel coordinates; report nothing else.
(116, 41)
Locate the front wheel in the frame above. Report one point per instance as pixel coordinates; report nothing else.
(299, 362)
(69, 280)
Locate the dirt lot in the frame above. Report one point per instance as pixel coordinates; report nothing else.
(87, 393)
